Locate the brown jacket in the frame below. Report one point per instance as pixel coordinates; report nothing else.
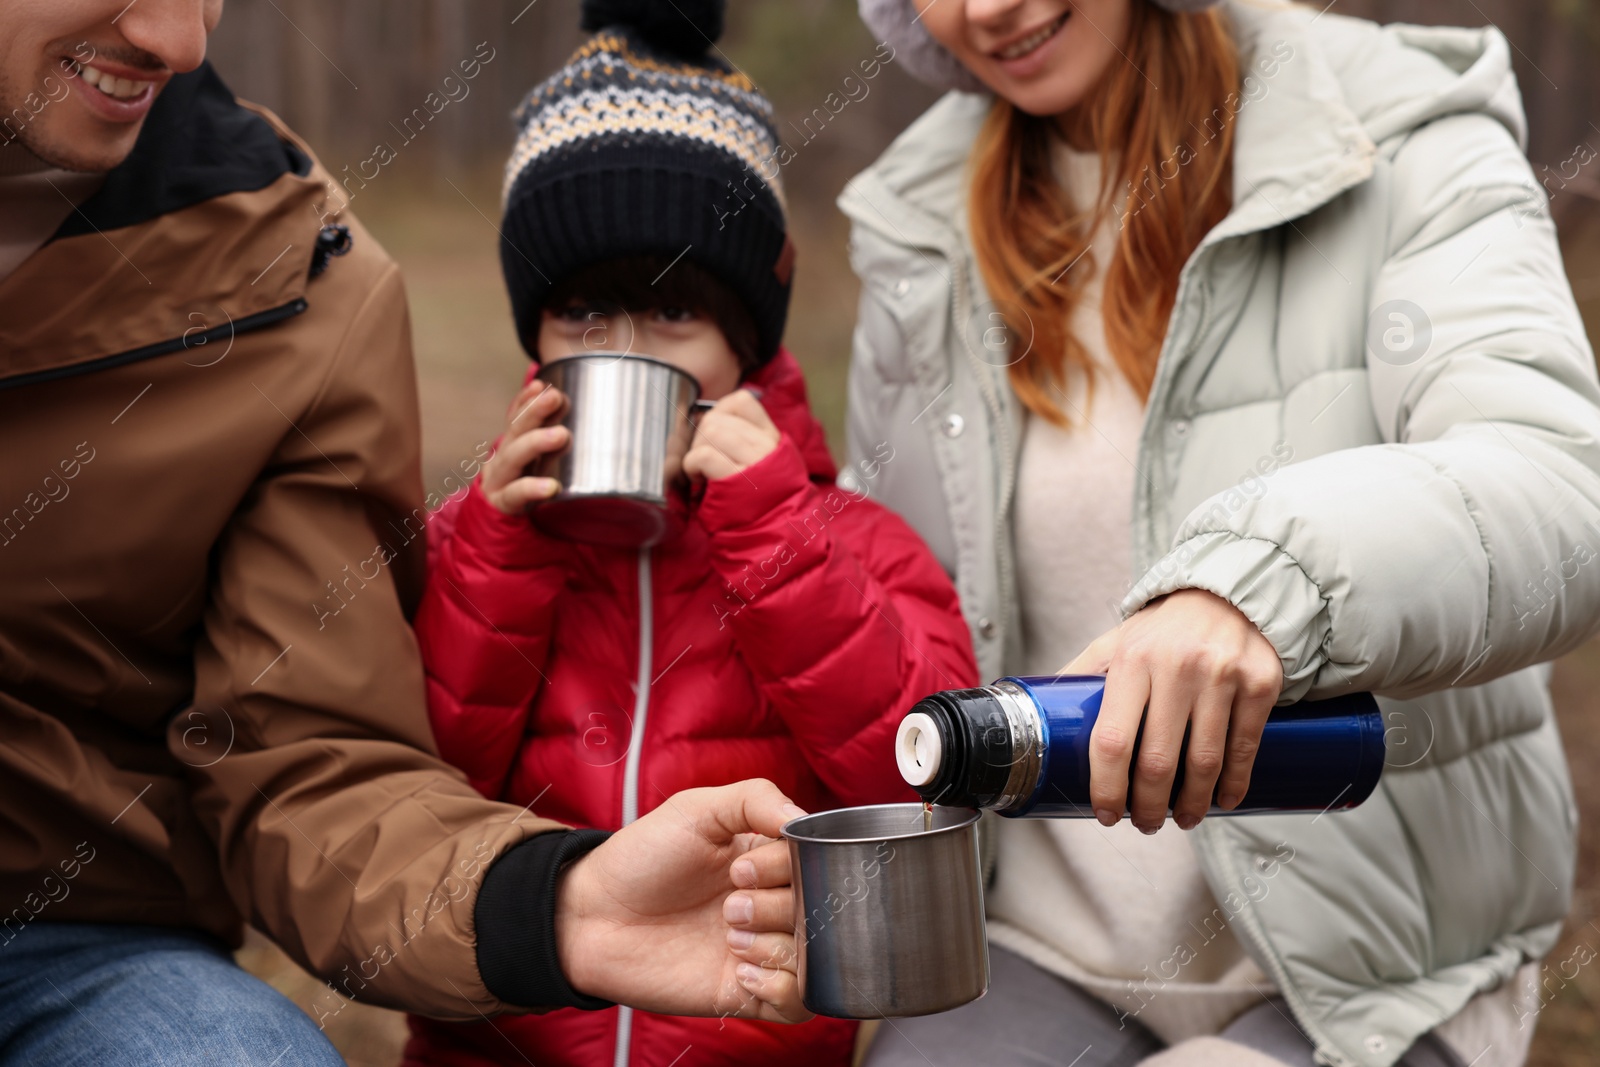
(206, 450)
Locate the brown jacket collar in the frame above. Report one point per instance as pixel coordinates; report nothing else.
(162, 257)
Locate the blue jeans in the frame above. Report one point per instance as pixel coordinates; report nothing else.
(143, 996)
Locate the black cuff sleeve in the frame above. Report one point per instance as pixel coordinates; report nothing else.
(516, 921)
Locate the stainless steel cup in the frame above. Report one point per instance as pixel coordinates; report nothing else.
(888, 918)
(631, 420)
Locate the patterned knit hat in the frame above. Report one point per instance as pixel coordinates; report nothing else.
(897, 23)
(647, 143)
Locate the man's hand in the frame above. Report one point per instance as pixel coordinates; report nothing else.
(688, 911)
(525, 440)
(1195, 662)
(736, 433)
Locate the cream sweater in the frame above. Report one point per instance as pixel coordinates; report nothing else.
(1128, 917)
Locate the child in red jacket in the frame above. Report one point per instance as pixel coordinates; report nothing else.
(782, 634)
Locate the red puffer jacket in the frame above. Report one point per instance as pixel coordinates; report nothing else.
(782, 635)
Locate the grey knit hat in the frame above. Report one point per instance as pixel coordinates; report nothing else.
(895, 22)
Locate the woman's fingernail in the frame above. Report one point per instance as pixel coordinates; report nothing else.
(739, 909)
(1228, 800)
(743, 873)
(1148, 830)
(1187, 822)
(1106, 816)
(792, 811)
(741, 939)
(749, 974)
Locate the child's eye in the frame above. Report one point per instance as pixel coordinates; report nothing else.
(677, 314)
(590, 311)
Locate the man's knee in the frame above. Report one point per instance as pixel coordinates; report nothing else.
(158, 999)
(235, 1017)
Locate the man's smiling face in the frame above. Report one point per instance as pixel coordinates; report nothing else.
(77, 77)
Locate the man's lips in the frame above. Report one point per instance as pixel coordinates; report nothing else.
(1032, 41)
(117, 93)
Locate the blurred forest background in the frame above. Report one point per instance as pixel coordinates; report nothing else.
(347, 76)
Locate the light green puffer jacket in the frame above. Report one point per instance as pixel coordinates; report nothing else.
(1405, 505)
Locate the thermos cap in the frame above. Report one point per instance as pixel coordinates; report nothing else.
(918, 749)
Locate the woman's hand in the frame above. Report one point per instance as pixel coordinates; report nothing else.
(1194, 661)
(736, 433)
(688, 911)
(525, 440)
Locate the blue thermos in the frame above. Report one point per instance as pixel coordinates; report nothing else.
(1021, 747)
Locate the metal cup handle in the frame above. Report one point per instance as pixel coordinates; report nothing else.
(697, 488)
(700, 407)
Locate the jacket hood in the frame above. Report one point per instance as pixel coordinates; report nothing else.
(1320, 92)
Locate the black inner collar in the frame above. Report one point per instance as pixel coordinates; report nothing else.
(197, 143)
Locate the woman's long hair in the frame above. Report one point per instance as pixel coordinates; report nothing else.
(1168, 148)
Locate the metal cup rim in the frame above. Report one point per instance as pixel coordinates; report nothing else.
(971, 815)
(614, 357)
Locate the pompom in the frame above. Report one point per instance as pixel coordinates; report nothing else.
(684, 27)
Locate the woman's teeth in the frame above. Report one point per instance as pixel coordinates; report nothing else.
(1033, 40)
(120, 88)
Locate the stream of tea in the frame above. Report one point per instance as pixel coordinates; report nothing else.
(927, 816)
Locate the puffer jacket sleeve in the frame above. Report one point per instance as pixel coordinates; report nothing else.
(338, 830)
(1465, 546)
(841, 613)
(484, 628)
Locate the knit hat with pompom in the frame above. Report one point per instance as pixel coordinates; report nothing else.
(898, 23)
(647, 143)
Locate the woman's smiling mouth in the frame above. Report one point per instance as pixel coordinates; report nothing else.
(1033, 41)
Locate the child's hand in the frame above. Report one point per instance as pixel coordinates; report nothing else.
(733, 435)
(525, 440)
